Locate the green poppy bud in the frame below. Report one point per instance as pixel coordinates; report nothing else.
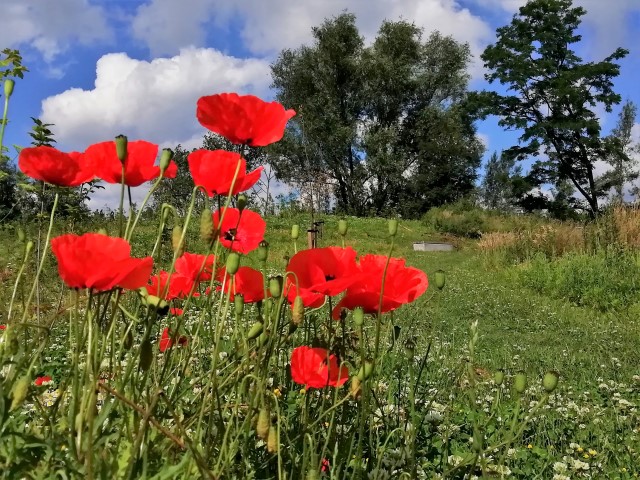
(165, 159)
(19, 391)
(206, 225)
(520, 382)
(128, 341)
(102, 231)
(295, 231)
(264, 423)
(21, 235)
(264, 338)
(365, 370)
(28, 248)
(146, 355)
(8, 87)
(355, 387)
(176, 236)
(440, 279)
(550, 381)
(272, 440)
(498, 377)
(233, 263)
(393, 227)
(343, 226)
(358, 316)
(297, 313)
(238, 303)
(275, 286)
(121, 147)
(263, 251)
(242, 202)
(255, 330)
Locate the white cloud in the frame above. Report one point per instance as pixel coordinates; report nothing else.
(49, 28)
(154, 100)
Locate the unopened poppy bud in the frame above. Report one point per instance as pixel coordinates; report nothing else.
(27, 248)
(206, 225)
(263, 251)
(343, 226)
(102, 231)
(121, 147)
(355, 387)
(264, 424)
(498, 377)
(233, 263)
(128, 340)
(440, 279)
(297, 311)
(295, 231)
(272, 440)
(146, 355)
(358, 316)
(19, 391)
(165, 213)
(550, 381)
(365, 370)
(393, 227)
(242, 202)
(21, 235)
(238, 304)
(264, 338)
(165, 159)
(8, 87)
(176, 237)
(520, 382)
(275, 286)
(255, 330)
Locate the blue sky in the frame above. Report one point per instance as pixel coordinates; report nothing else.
(104, 67)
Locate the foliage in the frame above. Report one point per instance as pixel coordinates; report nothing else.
(553, 95)
(624, 166)
(497, 188)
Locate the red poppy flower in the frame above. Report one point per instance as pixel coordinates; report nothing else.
(178, 285)
(195, 267)
(248, 282)
(42, 380)
(320, 272)
(99, 262)
(3, 327)
(243, 119)
(402, 285)
(215, 170)
(53, 166)
(317, 368)
(139, 166)
(176, 312)
(167, 340)
(240, 233)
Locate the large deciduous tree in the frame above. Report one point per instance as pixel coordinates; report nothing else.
(384, 122)
(552, 95)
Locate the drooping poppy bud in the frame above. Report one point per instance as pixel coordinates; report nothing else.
(355, 388)
(128, 340)
(297, 311)
(19, 392)
(520, 382)
(121, 148)
(393, 227)
(206, 226)
(440, 279)
(176, 237)
(264, 423)
(165, 159)
(365, 370)
(295, 231)
(233, 263)
(264, 338)
(550, 381)
(272, 440)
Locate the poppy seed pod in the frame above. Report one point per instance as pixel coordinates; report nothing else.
(550, 381)
(393, 227)
(19, 392)
(343, 226)
(263, 251)
(176, 237)
(295, 231)
(275, 286)
(8, 87)
(242, 201)
(498, 377)
(165, 159)
(233, 263)
(121, 147)
(520, 382)
(440, 279)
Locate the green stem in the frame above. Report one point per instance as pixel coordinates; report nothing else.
(4, 122)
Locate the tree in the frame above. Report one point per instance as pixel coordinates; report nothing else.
(552, 95)
(375, 119)
(621, 156)
(497, 184)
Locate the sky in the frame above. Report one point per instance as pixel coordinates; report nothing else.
(99, 68)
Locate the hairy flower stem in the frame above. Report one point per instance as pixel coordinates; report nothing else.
(5, 112)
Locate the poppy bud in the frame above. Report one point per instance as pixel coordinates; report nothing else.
(238, 303)
(27, 248)
(206, 225)
(498, 377)
(342, 227)
(275, 286)
(440, 279)
(128, 341)
(355, 387)
(263, 251)
(297, 312)
(242, 202)
(358, 316)
(165, 212)
(146, 355)
(550, 381)
(21, 235)
(272, 440)
(19, 392)
(233, 263)
(102, 231)
(520, 382)
(295, 231)
(121, 147)
(264, 338)
(8, 87)
(176, 236)
(264, 424)
(393, 227)
(365, 370)
(165, 159)
(255, 330)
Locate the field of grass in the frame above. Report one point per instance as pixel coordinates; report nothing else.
(438, 411)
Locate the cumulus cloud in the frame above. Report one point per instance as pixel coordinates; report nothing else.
(151, 100)
(51, 29)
